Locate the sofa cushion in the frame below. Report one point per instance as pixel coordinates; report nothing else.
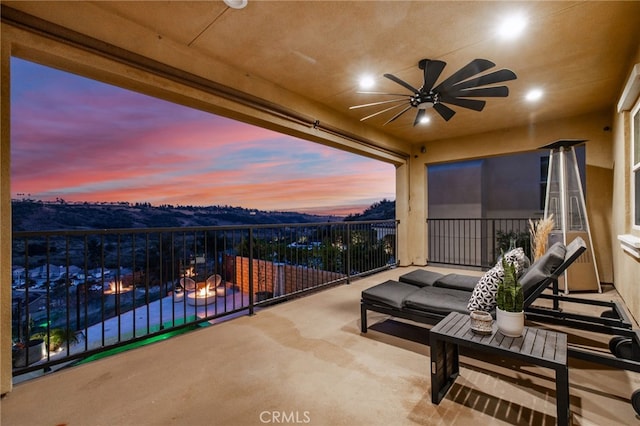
(420, 277)
(458, 282)
(390, 293)
(438, 300)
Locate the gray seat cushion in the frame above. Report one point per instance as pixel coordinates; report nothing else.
(457, 282)
(390, 293)
(420, 277)
(441, 294)
(438, 300)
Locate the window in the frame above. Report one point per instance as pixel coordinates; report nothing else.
(635, 166)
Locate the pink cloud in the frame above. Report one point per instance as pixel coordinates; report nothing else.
(85, 141)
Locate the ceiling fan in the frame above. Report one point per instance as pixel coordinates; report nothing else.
(453, 91)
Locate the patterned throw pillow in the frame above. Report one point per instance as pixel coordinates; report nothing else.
(484, 293)
(516, 257)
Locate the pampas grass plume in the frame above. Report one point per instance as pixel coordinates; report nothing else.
(540, 231)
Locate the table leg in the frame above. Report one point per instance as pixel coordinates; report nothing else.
(436, 350)
(444, 368)
(562, 396)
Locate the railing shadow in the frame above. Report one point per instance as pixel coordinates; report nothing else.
(478, 399)
(499, 408)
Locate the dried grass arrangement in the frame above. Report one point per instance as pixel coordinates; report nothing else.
(540, 231)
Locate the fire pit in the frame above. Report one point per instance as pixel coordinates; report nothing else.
(116, 287)
(202, 296)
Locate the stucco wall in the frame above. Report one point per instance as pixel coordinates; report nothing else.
(513, 184)
(626, 267)
(506, 186)
(456, 191)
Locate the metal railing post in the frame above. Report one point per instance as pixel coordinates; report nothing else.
(349, 251)
(251, 292)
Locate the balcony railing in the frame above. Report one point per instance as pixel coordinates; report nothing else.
(475, 242)
(80, 293)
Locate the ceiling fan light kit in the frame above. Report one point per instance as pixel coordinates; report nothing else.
(454, 90)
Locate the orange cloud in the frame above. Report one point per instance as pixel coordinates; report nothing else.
(103, 143)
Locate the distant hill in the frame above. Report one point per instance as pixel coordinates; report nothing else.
(30, 215)
(382, 210)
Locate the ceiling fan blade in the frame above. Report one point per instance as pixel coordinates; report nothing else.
(472, 68)
(378, 103)
(398, 115)
(444, 111)
(419, 116)
(489, 92)
(401, 82)
(459, 89)
(494, 77)
(432, 70)
(382, 93)
(473, 104)
(383, 111)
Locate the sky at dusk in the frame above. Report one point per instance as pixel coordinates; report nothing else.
(82, 140)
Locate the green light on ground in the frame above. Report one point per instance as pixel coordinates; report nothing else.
(143, 342)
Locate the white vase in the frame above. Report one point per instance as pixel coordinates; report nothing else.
(511, 324)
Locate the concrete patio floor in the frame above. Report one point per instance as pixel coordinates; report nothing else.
(305, 361)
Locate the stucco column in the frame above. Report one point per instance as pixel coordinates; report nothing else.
(5, 224)
(411, 210)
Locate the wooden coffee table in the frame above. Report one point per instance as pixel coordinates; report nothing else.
(539, 347)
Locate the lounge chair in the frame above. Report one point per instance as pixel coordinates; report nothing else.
(214, 283)
(427, 297)
(187, 284)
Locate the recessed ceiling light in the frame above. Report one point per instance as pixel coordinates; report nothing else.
(512, 27)
(533, 95)
(236, 4)
(366, 82)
